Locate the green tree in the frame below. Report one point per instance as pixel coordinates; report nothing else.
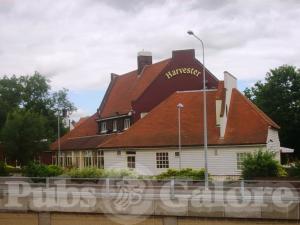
(26, 98)
(279, 97)
(24, 136)
(34, 93)
(10, 96)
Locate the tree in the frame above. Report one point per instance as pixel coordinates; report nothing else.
(279, 97)
(34, 93)
(24, 136)
(27, 103)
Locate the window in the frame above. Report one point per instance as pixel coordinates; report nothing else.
(177, 154)
(77, 159)
(103, 127)
(239, 159)
(162, 160)
(118, 152)
(100, 159)
(126, 123)
(54, 160)
(87, 159)
(130, 159)
(68, 159)
(115, 125)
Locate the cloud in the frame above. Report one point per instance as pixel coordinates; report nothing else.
(77, 44)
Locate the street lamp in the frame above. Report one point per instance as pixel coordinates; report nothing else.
(179, 107)
(204, 110)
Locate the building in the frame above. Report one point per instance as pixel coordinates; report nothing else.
(136, 124)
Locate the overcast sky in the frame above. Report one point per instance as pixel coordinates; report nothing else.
(77, 44)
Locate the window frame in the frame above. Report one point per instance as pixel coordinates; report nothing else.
(240, 156)
(115, 125)
(103, 127)
(126, 123)
(162, 160)
(131, 159)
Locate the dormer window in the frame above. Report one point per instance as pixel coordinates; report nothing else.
(103, 127)
(126, 123)
(115, 125)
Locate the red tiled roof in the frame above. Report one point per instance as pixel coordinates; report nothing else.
(88, 127)
(129, 87)
(246, 124)
(87, 142)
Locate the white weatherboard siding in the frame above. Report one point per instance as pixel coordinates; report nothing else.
(273, 142)
(221, 161)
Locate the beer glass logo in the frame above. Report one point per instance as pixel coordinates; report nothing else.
(125, 201)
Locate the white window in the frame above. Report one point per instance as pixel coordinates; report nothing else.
(103, 127)
(77, 159)
(115, 125)
(68, 159)
(130, 159)
(162, 160)
(239, 159)
(126, 123)
(87, 159)
(100, 159)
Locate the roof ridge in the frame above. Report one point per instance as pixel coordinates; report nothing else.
(258, 111)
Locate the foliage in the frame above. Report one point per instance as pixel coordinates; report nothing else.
(187, 173)
(261, 164)
(294, 170)
(30, 94)
(40, 170)
(100, 173)
(3, 169)
(279, 97)
(24, 135)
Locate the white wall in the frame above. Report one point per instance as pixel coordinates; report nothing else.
(221, 161)
(273, 142)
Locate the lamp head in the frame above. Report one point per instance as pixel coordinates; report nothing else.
(180, 105)
(190, 32)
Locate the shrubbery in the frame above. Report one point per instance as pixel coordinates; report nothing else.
(188, 173)
(40, 170)
(294, 170)
(100, 173)
(261, 164)
(3, 170)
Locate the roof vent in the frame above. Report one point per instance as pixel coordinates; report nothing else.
(143, 58)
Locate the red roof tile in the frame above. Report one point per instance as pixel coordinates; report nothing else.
(246, 124)
(88, 127)
(129, 87)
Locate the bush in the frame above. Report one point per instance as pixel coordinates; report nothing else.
(100, 173)
(261, 164)
(85, 173)
(40, 170)
(294, 170)
(187, 173)
(3, 170)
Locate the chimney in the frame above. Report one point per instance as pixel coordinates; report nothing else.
(230, 82)
(143, 58)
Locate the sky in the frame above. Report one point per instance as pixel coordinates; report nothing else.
(78, 44)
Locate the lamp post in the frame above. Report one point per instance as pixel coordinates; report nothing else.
(179, 107)
(58, 138)
(204, 110)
